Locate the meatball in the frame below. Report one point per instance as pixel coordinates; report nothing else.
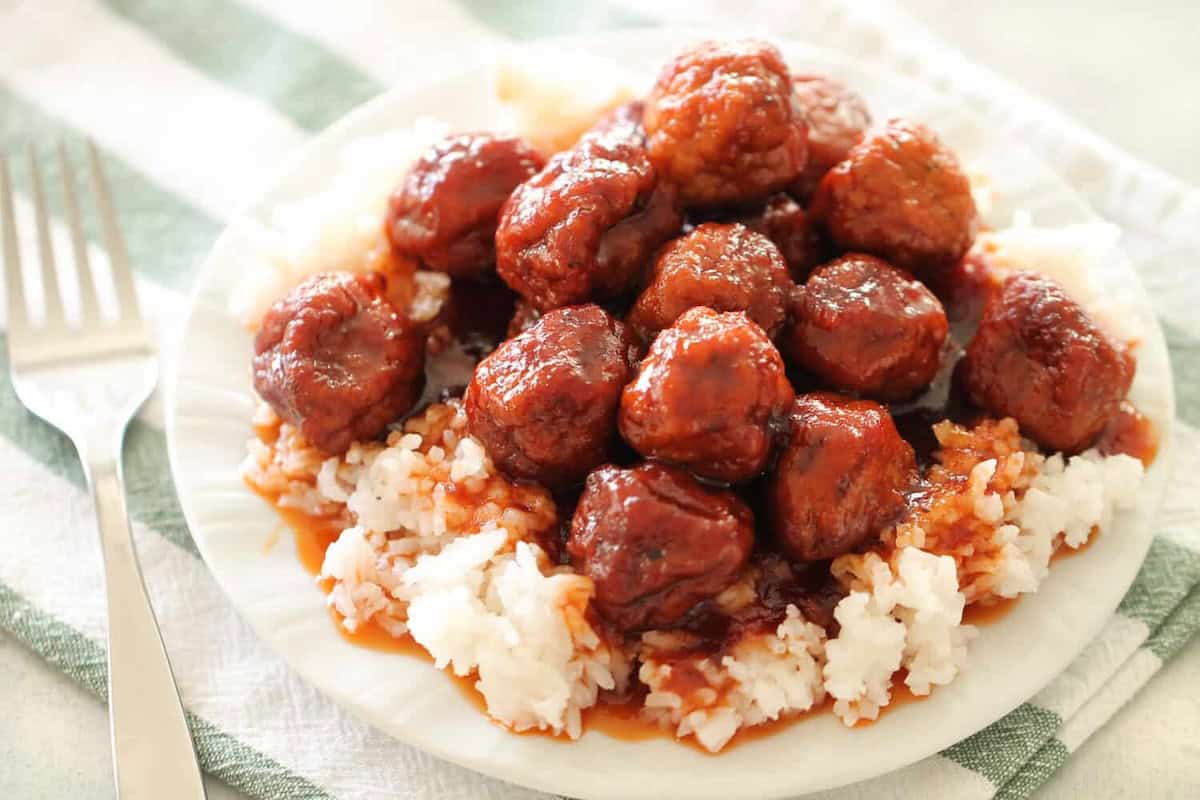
(1039, 358)
(793, 231)
(840, 477)
(624, 121)
(586, 226)
(864, 326)
(627, 248)
(445, 211)
(544, 403)
(900, 195)
(657, 542)
(836, 117)
(722, 266)
(337, 361)
(708, 396)
(722, 124)
(523, 317)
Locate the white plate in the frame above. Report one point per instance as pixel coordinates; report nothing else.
(208, 426)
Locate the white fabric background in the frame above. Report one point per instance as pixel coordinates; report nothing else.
(1129, 75)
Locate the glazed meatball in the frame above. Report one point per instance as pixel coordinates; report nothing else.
(793, 231)
(725, 267)
(708, 396)
(836, 117)
(863, 326)
(657, 542)
(840, 478)
(337, 361)
(722, 124)
(586, 226)
(1039, 358)
(901, 195)
(624, 122)
(524, 315)
(544, 403)
(445, 211)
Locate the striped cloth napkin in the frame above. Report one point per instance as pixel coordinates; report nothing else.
(196, 104)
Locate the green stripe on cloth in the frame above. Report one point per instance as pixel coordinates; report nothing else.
(41, 442)
(149, 487)
(1020, 752)
(1167, 575)
(1036, 771)
(65, 648)
(1185, 364)
(237, 46)
(83, 661)
(531, 19)
(166, 236)
(1178, 627)
(998, 751)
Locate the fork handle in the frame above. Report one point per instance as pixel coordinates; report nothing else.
(153, 756)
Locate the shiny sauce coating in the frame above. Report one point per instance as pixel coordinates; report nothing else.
(634, 371)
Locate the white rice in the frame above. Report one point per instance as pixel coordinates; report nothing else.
(439, 545)
(863, 658)
(482, 598)
(1072, 497)
(906, 602)
(910, 619)
(763, 678)
(485, 608)
(550, 98)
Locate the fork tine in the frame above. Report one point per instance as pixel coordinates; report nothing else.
(55, 319)
(118, 257)
(89, 308)
(14, 282)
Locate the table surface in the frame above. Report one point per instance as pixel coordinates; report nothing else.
(1131, 79)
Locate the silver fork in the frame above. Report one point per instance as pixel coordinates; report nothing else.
(88, 380)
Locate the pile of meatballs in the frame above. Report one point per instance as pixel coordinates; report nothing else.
(681, 270)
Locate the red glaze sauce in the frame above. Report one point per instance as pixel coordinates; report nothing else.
(1130, 433)
(901, 696)
(988, 613)
(811, 588)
